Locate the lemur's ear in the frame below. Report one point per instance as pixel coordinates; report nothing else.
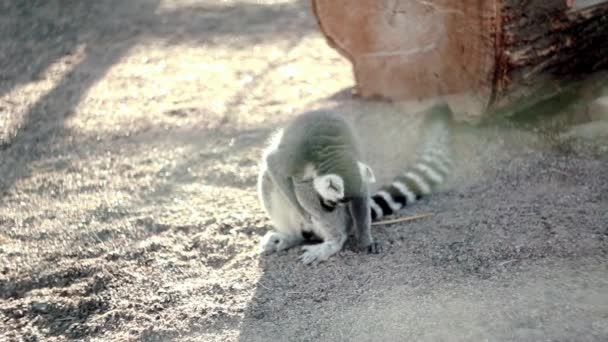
(366, 173)
(330, 187)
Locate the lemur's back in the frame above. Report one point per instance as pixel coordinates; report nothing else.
(326, 140)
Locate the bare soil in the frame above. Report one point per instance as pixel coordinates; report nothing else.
(130, 134)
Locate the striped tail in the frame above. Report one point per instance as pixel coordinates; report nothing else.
(431, 168)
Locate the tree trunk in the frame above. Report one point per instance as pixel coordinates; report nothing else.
(480, 55)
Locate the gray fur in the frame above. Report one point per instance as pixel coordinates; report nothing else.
(314, 145)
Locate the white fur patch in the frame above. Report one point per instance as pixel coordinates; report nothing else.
(424, 187)
(282, 214)
(330, 187)
(411, 198)
(376, 208)
(389, 200)
(429, 172)
(439, 163)
(366, 173)
(439, 157)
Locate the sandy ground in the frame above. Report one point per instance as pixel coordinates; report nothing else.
(129, 140)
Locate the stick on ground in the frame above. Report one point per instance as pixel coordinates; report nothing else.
(402, 219)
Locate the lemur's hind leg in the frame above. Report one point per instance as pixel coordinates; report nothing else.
(277, 241)
(285, 220)
(278, 172)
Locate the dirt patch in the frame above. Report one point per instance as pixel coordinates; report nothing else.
(130, 133)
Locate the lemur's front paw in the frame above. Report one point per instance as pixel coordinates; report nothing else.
(373, 248)
(314, 254)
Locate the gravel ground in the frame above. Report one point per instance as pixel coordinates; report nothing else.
(130, 133)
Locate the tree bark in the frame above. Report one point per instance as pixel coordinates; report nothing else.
(480, 55)
(546, 47)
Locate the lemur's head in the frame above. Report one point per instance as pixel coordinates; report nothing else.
(343, 185)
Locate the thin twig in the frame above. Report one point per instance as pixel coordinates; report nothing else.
(264, 286)
(402, 219)
(63, 319)
(296, 292)
(507, 262)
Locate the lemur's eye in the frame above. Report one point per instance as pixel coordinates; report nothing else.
(327, 205)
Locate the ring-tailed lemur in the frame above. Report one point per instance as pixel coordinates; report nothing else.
(311, 168)
(312, 180)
